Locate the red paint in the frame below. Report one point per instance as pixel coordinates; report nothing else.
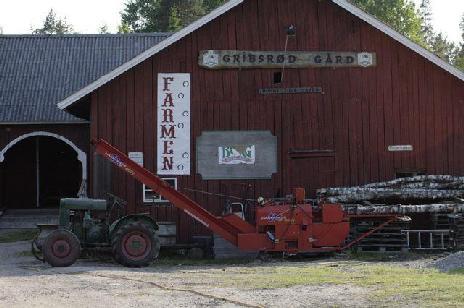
(405, 99)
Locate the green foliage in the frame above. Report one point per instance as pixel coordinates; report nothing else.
(401, 15)
(54, 25)
(212, 4)
(141, 16)
(443, 48)
(104, 29)
(124, 28)
(459, 59)
(164, 15)
(175, 23)
(425, 14)
(415, 24)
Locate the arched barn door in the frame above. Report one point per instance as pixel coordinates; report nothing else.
(39, 169)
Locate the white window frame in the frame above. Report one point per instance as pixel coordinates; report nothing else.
(158, 198)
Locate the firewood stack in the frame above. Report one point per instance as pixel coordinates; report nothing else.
(437, 195)
(419, 194)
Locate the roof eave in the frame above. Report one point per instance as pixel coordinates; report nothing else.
(400, 38)
(148, 53)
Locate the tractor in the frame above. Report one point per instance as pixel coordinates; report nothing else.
(93, 223)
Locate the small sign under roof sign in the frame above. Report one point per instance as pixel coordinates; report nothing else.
(400, 148)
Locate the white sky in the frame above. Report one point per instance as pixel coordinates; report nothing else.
(446, 17)
(87, 16)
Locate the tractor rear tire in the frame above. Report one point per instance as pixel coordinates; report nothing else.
(61, 248)
(135, 245)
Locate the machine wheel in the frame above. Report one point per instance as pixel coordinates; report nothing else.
(61, 248)
(135, 245)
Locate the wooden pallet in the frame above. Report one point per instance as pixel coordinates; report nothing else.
(388, 239)
(457, 232)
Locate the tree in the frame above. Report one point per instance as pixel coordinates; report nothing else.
(123, 28)
(54, 25)
(435, 42)
(164, 15)
(104, 29)
(401, 15)
(1, 30)
(175, 23)
(141, 16)
(459, 59)
(443, 48)
(210, 5)
(425, 13)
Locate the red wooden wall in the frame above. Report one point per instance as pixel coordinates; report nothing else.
(404, 100)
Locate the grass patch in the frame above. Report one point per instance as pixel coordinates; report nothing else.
(386, 283)
(179, 260)
(426, 286)
(17, 236)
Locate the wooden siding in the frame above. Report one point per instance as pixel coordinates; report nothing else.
(404, 100)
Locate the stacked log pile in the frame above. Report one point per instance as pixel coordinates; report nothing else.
(437, 195)
(419, 194)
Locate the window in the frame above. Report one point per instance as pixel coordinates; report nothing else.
(151, 197)
(277, 77)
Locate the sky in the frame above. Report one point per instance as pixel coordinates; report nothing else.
(88, 16)
(446, 17)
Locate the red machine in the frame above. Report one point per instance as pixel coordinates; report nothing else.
(291, 227)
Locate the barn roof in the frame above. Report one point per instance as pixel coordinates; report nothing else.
(38, 71)
(230, 5)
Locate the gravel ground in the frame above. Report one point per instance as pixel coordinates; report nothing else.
(452, 262)
(26, 282)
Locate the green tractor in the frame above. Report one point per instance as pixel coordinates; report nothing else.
(97, 224)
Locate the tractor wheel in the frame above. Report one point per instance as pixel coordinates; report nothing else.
(135, 245)
(61, 248)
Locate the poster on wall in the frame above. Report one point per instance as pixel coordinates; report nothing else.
(233, 155)
(237, 154)
(173, 124)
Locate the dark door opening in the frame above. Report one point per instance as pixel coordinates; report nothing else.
(38, 172)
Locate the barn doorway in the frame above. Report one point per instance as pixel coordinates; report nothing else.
(39, 169)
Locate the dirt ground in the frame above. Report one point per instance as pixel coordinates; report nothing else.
(26, 282)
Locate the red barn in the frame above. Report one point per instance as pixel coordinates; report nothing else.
(347, 100)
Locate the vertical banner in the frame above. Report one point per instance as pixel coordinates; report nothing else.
(174, 124)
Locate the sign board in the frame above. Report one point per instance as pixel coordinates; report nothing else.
(136, 157)
(304, 90)
(400, 148)
(237, 154)
(173, 124)
(230, 59)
